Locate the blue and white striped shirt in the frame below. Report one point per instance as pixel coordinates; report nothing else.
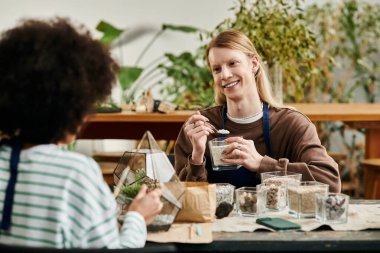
(61, 200)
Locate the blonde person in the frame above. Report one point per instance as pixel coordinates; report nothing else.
(265, 136)
(51, 76)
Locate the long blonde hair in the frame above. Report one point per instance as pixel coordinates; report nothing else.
(236, 40)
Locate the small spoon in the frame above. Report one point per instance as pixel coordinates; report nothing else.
(220, 131)
(213, 128)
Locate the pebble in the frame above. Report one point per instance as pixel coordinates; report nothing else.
(224, 193)
(223, 210)
(248, 202)
(335, 207)
(162, 222)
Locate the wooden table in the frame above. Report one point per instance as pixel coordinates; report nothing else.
(314, 241)
(320, 240)
(131, 125)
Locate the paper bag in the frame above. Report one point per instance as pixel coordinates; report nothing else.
(199, 203)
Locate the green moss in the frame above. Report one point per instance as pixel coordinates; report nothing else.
(131, 190)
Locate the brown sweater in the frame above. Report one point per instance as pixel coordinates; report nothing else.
(294, 142)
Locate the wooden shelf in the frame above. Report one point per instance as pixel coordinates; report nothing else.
(132, 125)
(316, 112)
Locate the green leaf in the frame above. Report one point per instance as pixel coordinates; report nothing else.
(181, 28)
(110, 32)
(127, 75)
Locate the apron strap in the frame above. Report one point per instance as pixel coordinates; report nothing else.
(10, 190)
(266, 130)
(224, 116)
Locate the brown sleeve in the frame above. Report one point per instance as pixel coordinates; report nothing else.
(307, 157)
(186, 170)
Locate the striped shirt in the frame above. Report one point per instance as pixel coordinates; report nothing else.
(62, 201)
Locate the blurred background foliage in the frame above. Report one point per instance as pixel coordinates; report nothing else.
(327, 53)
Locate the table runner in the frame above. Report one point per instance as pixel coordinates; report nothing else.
(360, 217)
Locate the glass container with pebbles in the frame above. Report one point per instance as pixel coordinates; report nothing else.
(274, 194)
(249, 201)
(332, 208)
(278, 178)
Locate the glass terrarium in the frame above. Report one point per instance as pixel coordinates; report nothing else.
(148, 164)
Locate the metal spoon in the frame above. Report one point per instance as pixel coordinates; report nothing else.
(219, 131)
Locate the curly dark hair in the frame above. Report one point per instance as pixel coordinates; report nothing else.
(51, 76)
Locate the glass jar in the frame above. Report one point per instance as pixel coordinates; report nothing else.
(217, 146)
(249, 201)
(301, 198)
(275, 196)
(224, 199)
(332, 208)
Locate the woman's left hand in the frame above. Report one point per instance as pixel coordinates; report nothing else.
(242, 152)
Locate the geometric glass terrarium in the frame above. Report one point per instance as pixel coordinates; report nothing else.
(148, 164)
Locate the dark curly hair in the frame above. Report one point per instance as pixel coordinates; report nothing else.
(51, 76)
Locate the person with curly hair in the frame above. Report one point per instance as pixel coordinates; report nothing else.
(52, 74)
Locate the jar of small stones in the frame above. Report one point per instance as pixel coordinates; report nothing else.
(332, 208)
(274, 193)
(249, 201)
(278, 178)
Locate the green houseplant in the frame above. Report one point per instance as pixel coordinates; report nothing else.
(281, 36)
(189, 80)
(132, 78)
(347, 51)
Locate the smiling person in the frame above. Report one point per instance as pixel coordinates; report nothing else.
(264, 135)
(51, 76)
